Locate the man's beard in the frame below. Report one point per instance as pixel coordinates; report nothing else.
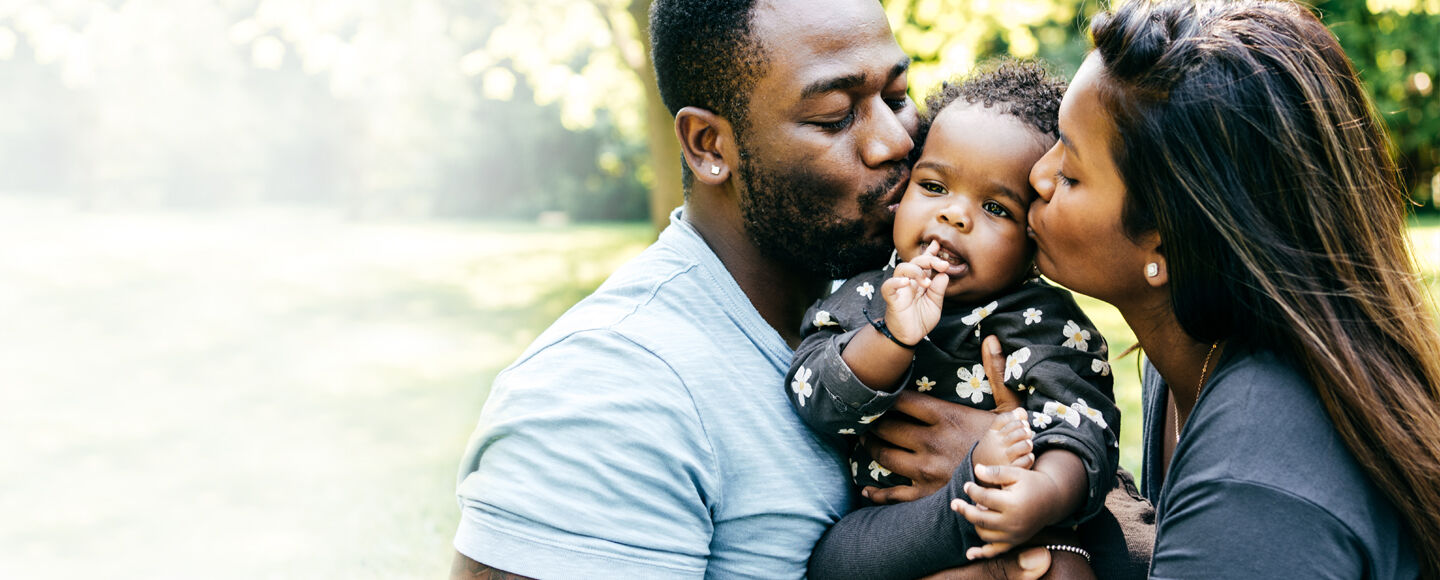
(790, 217)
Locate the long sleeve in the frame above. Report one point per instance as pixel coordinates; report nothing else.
(1058, 359)
(822, 388)
(906, 540)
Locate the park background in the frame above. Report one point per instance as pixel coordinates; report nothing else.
(262, 258)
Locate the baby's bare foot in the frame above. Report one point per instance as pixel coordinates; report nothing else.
(1008, 441)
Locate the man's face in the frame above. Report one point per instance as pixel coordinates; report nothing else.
(823, 151)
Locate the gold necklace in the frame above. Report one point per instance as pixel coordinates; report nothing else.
(1204, 372)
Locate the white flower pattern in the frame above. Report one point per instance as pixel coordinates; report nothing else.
(877, 471)
(980, 313)
(1085, 411)
(1039, 420)
(801, 385)
(1075, 337)
(1100, 366)
(1032, 316)
(973, 384)
(924, 384)
(823, 319)
(866, 420)
(1013, 368)
(847, 432)
(1062, 412)
(866, 290)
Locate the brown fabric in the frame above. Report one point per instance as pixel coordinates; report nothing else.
(1121, 538)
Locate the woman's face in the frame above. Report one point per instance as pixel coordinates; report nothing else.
(1075, 222)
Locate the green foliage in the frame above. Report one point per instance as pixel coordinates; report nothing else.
(1393, 44)
(1397, 52)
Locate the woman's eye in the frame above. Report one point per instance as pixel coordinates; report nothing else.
(897, 104)
(934, 188)
(996, 209)
(1061, 179)
(837, 125)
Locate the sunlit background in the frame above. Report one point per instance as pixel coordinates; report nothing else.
(261, 258)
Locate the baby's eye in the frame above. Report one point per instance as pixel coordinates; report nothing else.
(934, 188)
(1062, 179)
(996, 209)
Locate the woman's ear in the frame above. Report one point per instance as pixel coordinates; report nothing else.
(1156, 272)
(704, 136)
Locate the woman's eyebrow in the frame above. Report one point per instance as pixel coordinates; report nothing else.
(1069, 145)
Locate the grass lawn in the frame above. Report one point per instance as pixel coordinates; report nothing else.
(277, 394)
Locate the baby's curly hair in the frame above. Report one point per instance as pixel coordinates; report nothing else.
(1029, 90)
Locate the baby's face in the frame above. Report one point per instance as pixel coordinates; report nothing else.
(970, 191)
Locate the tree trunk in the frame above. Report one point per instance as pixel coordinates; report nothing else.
(666, 191)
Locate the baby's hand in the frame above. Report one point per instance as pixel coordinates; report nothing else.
(1020, 503)
(1008, 441)
(914, 296)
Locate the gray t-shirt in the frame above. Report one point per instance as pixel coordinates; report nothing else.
(642, 436)
(1262, 486)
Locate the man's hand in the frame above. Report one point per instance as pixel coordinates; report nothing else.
(924, 438)
(914, 296)
(1027, 564)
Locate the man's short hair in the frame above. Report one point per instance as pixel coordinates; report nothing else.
(705, 55)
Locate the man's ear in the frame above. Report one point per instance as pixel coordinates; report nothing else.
(1157, 272)
(704, 137)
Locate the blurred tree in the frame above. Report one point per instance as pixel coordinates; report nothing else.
(1394, 45)
(591, 56)
(493, 109)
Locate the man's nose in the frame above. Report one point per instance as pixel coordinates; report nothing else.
(888, 141)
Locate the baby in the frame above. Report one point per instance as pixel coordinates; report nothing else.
(962, 271)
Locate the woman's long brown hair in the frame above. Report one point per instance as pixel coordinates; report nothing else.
(1246, 140)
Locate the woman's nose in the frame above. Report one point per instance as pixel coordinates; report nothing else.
(1042, 174)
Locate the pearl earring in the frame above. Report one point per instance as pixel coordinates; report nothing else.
(1152, 270)
(714, 170)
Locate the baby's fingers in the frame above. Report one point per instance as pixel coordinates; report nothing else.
(929, 262)
(909, 271)
(987, 551)
(983, 519)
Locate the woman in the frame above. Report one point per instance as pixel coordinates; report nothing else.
(1224, 182)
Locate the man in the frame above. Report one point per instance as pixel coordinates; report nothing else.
(646, 434)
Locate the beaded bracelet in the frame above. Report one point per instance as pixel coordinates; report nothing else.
(1069, 548)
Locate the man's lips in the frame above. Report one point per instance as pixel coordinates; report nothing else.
(892, 199)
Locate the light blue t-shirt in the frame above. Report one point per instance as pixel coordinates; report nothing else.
(645, 435)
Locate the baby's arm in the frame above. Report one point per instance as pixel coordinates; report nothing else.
(913, 299)
(1022, 501)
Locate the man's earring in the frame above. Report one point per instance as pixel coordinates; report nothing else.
(1152, 270)
(714, 170)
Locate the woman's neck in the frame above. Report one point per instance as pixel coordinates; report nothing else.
(1178, 357)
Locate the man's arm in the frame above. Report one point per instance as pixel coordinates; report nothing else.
(466, 569)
